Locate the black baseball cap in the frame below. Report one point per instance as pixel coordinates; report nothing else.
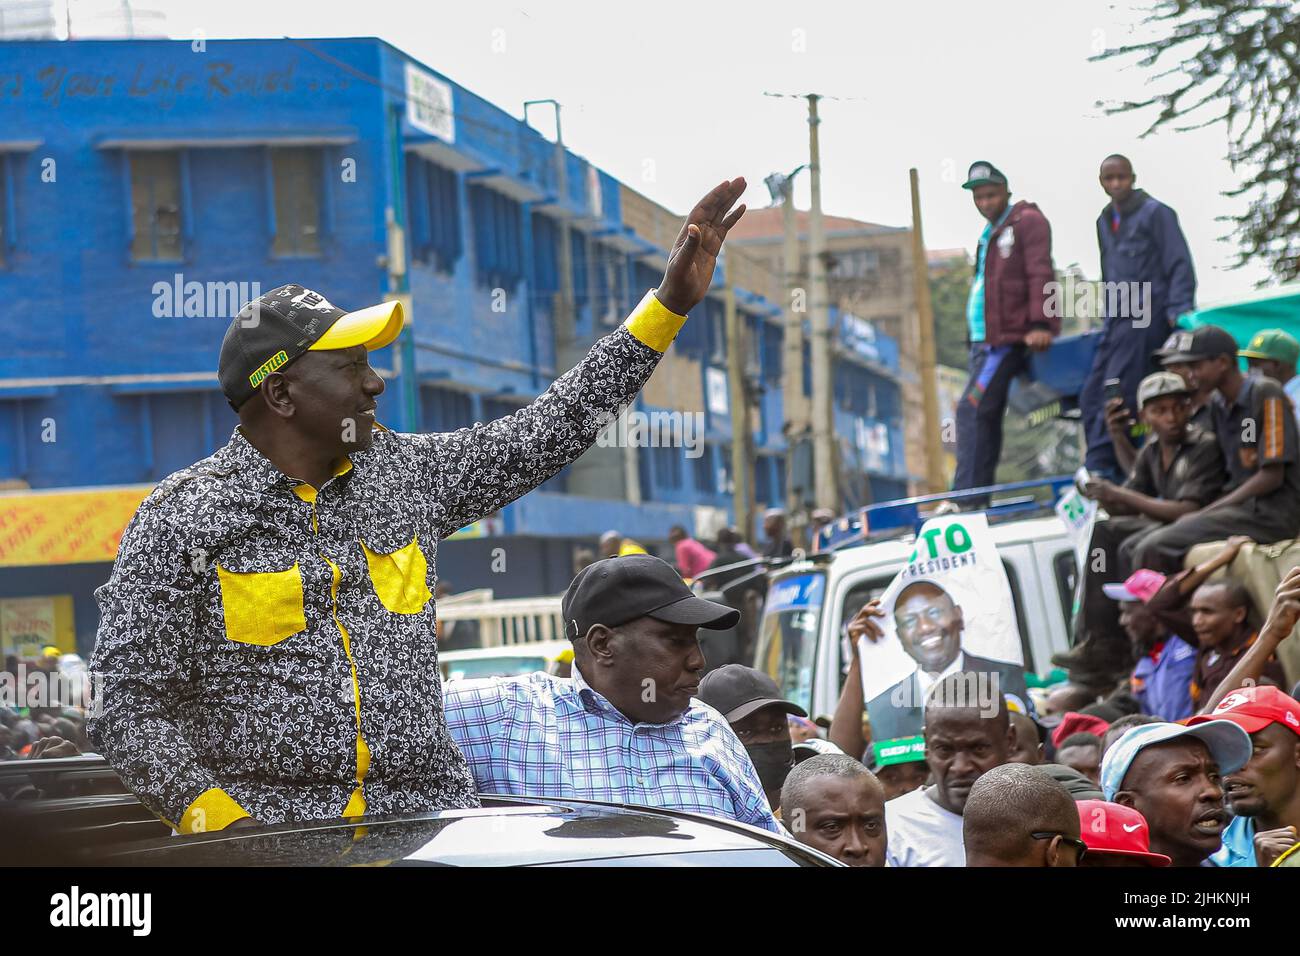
(982, 173)
(614, 591)
(279, 326)
(736, 691)
(1203, 342)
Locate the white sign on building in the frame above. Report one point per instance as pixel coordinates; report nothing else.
(428, 104)
(715, 380)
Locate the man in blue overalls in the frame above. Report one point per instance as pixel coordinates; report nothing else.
(1147, 283)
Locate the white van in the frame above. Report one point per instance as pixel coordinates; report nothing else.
(801, 641)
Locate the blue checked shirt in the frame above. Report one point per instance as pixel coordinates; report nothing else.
(547, 736)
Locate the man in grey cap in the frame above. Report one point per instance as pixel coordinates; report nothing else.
(1172, 775)
(1175, 475)
(1007, 315)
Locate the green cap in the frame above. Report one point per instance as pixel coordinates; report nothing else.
(982, 173)
(1272, 344)
(885, 753)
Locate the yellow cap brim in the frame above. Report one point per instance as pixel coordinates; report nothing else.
(374, 327)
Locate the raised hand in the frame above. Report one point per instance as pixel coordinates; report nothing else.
(1285, 612)
(864, 623)
(695, 252)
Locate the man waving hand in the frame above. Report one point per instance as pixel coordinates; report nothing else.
(266, 643)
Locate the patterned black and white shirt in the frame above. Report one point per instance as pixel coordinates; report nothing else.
(266, 648)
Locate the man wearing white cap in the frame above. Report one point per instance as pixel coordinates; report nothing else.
(1172, 775)
(267, 637)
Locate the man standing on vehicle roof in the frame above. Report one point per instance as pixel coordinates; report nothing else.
(1007, 317)
(266, 639)
(1147, 275)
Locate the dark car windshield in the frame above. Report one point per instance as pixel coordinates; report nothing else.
(787, 641)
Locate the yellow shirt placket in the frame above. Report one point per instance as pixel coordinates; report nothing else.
(356, 805)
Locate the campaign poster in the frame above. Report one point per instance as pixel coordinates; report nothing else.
(948, 610)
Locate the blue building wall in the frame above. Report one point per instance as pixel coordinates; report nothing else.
(102, 361)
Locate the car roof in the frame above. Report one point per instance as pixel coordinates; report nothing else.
(506, 831)
(896, 550)
(547, 649)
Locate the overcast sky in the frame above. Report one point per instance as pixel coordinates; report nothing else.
(669, 98)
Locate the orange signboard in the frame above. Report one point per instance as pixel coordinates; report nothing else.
(65, 527)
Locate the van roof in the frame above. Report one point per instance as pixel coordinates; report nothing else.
(896, 550)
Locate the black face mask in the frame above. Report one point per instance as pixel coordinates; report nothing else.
(773, 762)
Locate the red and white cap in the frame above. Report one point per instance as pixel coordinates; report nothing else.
(1254, 708)
(1112, 829)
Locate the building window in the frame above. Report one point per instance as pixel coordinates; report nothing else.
(445, 410)
(706, 479)
(773, 340)
(610, 273)
(6, 207)
(296, 185)
(155, 205)
(498, 239)
(433, 195)
(546, 251)
(667, 464)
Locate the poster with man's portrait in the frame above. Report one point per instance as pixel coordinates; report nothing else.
(949, 610)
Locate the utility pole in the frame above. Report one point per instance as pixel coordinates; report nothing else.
(823, 423)
(925, 318)
(742, 437)
(794, 406)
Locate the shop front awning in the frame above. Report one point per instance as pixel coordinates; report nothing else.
(65, 525)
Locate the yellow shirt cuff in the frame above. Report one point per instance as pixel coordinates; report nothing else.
(213, 810)
(652, 323)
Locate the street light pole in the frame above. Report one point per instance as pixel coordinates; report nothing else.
(826, 477)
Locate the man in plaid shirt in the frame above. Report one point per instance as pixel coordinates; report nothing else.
(627, 727)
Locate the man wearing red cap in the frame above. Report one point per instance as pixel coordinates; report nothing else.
(1264, 794)
(1116, 836)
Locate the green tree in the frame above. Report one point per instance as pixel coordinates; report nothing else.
(1235, 62)
(949, 288)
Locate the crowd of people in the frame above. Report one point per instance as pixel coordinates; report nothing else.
(1173, 742)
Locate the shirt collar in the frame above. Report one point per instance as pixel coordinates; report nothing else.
(596, 703)
(1243, 394)
(258, 469)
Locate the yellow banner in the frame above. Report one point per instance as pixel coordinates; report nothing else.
(29, 625)
(65, 527)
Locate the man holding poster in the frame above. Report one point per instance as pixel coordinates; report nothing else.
(948, 611)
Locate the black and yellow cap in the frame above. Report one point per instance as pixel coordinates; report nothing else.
(279, 326)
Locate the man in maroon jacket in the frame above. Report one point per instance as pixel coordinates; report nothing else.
(1007, 316)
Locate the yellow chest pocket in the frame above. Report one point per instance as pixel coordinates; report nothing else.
(262, 608)
(399, 578)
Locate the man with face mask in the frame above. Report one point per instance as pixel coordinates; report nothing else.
(626, 727)
(752, 704)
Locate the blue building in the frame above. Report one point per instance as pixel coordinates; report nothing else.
(148, 188)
